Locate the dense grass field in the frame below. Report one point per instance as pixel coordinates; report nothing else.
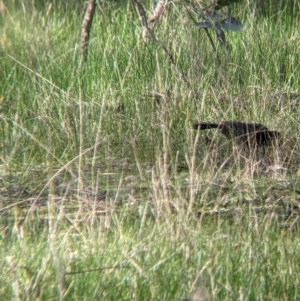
(107, 192)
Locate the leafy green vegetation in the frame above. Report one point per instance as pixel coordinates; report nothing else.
(106, 191)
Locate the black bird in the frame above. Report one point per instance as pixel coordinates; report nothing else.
(246, 134)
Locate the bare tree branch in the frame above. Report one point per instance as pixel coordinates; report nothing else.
(86, 27)
(157, 13)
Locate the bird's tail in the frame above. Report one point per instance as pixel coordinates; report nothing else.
(206, 126)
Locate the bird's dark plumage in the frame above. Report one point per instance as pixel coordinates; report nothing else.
(248, 134)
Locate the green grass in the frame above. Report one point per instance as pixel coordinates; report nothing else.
(106, 192)
(236, 257)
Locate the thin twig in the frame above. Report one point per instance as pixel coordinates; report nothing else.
(142, 14)
(98, 269)
(206, 31)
